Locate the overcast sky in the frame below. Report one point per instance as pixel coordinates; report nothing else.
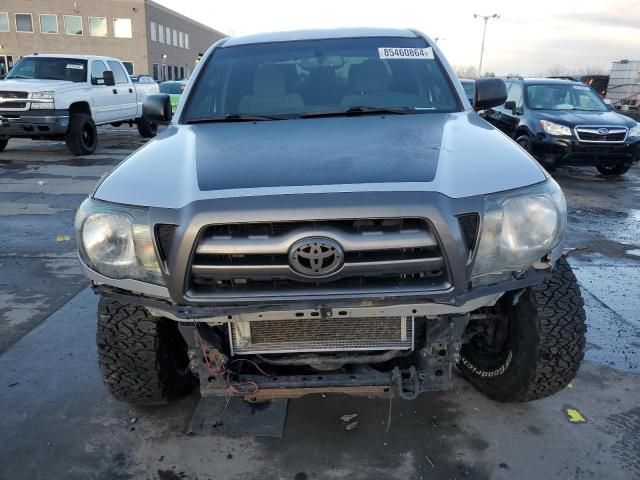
(527, 39)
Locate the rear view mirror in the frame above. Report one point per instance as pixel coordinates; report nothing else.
(156, 107)
(108, 77)
(490, 92)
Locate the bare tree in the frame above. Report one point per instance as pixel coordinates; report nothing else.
(556, 70)
(593, 70)
(466, 71)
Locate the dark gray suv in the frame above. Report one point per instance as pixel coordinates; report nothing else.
(326, 212)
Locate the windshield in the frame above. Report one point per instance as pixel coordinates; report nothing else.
(48, 68)
(289, 79)
(171, 88)
(564, 97)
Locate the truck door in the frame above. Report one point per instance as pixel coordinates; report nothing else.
(105, 103)
(124, 91)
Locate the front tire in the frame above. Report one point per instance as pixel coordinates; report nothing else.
(541, 348)
(147, 129)
(613, 170)
(143, 359)
(82, 136)
(525, 142)
(3, 144)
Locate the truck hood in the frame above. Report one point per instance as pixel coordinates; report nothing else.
(572, 118)
(457, 154)
(35, 85)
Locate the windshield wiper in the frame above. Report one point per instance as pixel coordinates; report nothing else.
(354, 111)
(234, 117)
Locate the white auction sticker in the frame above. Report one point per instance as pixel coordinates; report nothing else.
(75, 66)
(406, 53)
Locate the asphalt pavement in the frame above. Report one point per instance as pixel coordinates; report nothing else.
(58, 422)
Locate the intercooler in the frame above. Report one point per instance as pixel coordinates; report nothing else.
(329, 334)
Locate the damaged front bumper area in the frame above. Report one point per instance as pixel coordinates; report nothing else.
(390, 321)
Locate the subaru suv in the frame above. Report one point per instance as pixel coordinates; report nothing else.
(327, 213)
(565, 122)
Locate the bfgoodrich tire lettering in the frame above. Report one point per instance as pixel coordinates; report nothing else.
(544, 345)
(143, 359)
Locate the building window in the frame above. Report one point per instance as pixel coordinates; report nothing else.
(181, 73)
(186, 41)
(167, 32)
(170, 73)
(175, 37)
(154, 71)
(4, 22)
(72, 25)
(160, 33)
(48, 23)
(98, 26)
(128, 66)
(181, 39)
(122, 28)
(164, 72)
(153, 29)
(24, 22)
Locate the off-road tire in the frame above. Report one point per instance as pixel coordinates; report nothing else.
(614, 170)
(544, 346)
(143, 359)
(3, 144)
(147, 129)
(82, 136)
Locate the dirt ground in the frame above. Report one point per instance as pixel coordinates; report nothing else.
(58, 422)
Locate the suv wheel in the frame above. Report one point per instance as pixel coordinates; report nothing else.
(3, 143)
(82, 136)
(525, 142)
(143, 359)
(613, 170)
(536, 348)
(147, 129)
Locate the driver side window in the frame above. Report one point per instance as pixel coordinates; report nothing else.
(515, 96)
(97, 72)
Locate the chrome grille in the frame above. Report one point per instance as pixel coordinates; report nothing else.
(8, 100)
(321, 335)
(378, 254)
(601, 134)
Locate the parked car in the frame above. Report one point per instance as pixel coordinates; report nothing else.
(174, 89)
(326, 212)
(564, 122)
(468, 86)
(64, 97)
(146, 79)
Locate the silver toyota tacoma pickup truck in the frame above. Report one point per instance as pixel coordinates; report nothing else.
(326, 212)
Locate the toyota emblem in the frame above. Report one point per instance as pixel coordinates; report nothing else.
(316, 257)
(603, 131)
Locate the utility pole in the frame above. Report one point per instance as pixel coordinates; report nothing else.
(486, 19)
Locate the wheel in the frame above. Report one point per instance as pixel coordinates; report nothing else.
(614, 170)
(81, 137)
(3, 143)
(143, 359)
(147, 129)
(534, 347)
(525, 142)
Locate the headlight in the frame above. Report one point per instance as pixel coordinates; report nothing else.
(555, 129)
(44, 95)
(520, 227)
(116, 241)
(634, 132)
(48, 95)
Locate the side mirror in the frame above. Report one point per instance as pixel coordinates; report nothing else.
(156, 107)
(490, 92)
(109, 79)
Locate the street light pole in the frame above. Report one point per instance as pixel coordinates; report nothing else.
(486, 19)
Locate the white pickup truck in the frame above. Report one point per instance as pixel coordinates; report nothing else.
(64, 97)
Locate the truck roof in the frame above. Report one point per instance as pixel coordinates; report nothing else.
(319, 34)
(71, 55)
